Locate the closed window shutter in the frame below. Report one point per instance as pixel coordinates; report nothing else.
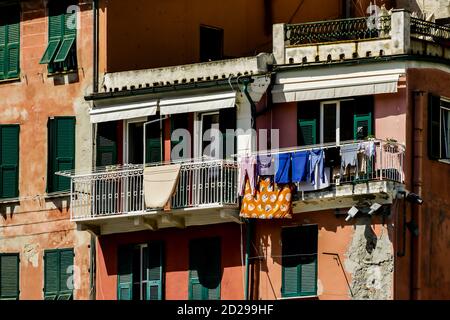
(3, 28)
(51, 275)
(9, 42)
(62, 151)
(299, 262)
(205, 269)
(308, 129)
(66, 271)
(125, 273)
(290, 263)
(362, 126)
(155, 271)
(434, 142)
(9, 276)
(9, 161)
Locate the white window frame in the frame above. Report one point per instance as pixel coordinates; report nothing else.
(441, 111)
(337, 104)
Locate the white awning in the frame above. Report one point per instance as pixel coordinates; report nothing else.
(305, 86)
(205, 102)
(124, 111)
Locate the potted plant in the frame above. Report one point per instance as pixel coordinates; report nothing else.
(391, 145)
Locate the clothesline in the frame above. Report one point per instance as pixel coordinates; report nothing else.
(309, 148)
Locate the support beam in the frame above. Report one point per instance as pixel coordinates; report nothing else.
(178, 222)
(230, 214)
(95, 230)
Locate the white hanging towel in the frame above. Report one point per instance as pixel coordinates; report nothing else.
(159, 184)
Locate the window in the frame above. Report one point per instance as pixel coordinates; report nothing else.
(60, 54)
(211, 44)
(106, 144)
(153, 140)
(439, 128)
(299, 261)
(9, 161)
(61, 152)
(9, 276)
(204, 269)
(140, 272)
(9, 41)
(334, 121)
(58, 274)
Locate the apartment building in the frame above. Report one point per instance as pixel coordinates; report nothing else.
(350, 202)
(45, 71)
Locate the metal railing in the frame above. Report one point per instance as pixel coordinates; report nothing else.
(385, 162)
(119, 190)
(338, 30)
(427, 30)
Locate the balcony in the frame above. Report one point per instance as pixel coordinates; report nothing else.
(206, 192)
(335, 41)
(378, 178)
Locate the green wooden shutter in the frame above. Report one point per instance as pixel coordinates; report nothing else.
(69, 33)
(299, 261)
(362, 126)
(13, 44)
(9, 276)
(204, 269)
(106, 144)
(9, 42)
(9, 161)
(153, 150)
(51, 274)
(155, 271)
(66, 271)
(62, 151)
(55, 37)
(3, 28)
(125, 273)
(434, 142)
(308, 130)
(290, 263)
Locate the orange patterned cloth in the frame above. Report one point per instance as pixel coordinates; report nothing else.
(270, 202)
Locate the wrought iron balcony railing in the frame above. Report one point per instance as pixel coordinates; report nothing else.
(119, 190)
(338, 30)
(426, 30)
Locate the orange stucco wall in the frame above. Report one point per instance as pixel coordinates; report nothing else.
(334, 240)
(37, 222)
(176, 266)
(140, 34)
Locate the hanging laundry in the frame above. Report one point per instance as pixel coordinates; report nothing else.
(283, 168)
(366, 153)
(349, 156)
(270, 202)
(317, 160)
(266, 165)
(300, 166)
(368, 147)
(247, 169)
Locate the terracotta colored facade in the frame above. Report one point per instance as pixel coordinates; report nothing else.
(37, 221)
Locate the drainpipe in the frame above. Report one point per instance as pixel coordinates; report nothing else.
(95, 45)
(249, 223)
(247, 258)
(92, 268)
(420, 101)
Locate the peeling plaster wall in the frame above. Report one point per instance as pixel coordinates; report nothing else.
(37, 222)
(370, 261)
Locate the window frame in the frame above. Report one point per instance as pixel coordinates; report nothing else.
(443, 109)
